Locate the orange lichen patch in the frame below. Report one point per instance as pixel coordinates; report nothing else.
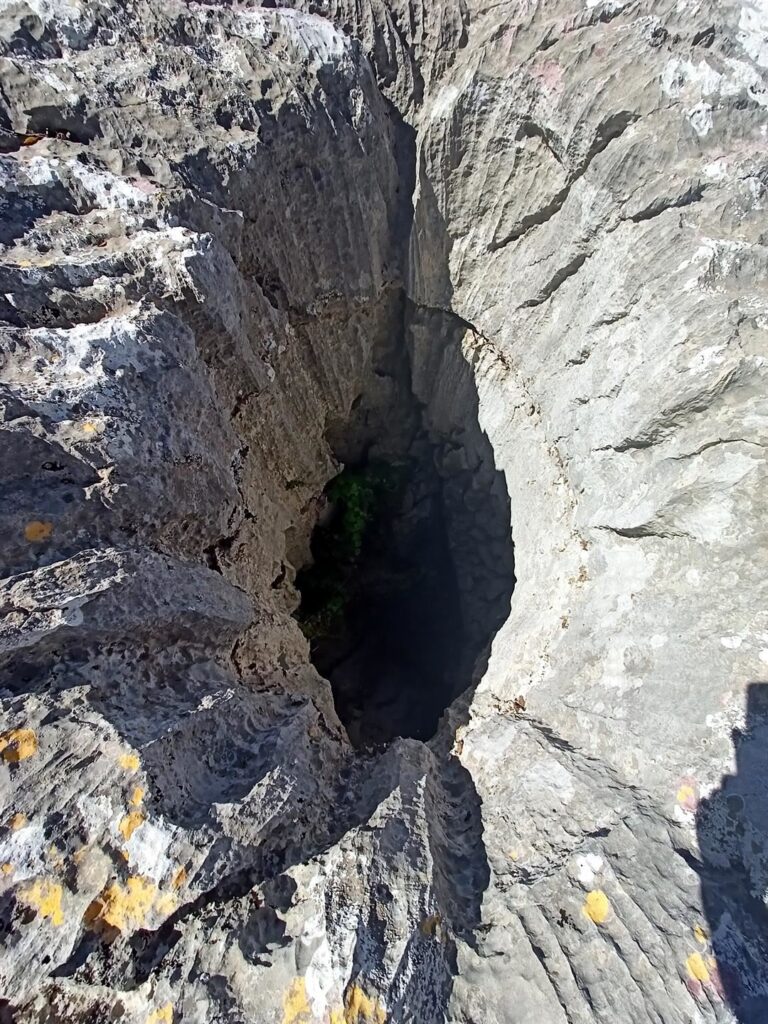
(163, 1015)
(37, 531)
(596, 906)
(130, 762)
(122, 907)
(179, 878)
(44, 896)
(17, 745)
(30, 140)
(17, 821)
(137, 796)
(7, 868)
(296, 1008)
(697, 969)
(130, 823)
(359, 1008)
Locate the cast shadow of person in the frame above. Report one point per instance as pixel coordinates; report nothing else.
(732, 830)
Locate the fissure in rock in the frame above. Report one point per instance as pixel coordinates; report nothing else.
(412, 563)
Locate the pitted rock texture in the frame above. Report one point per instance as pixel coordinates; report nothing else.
(215, 219)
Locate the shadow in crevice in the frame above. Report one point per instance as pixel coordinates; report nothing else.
(732, 830)
(412, 567)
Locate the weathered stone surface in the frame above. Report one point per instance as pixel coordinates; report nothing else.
(232, 214)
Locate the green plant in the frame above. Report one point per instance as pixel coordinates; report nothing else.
(359, 494)
(362, 498)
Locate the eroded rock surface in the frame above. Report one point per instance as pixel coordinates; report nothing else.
(217, 222)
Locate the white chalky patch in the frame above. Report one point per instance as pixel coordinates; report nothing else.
(97, 813)
(39, 171)
(24, 849)
(121, 194)
(319, 977)
(445, 101)
(712, 355)
(700, 117)
(717, 169)
(148, 851)
(681, 76)
(682, 79)
(587, 866)
(753, 31)
(731, 642)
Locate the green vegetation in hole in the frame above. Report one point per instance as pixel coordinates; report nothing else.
(362, 498)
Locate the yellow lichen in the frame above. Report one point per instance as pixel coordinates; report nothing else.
(697, 969)
(163, 1015)
(596, 906)
(7, 868)
(130, 762)
(179, 878)
(166, 903)
(359, 1008)
(296, 1008)
(55, 856)
(137, 796)
(700, 934)
(17, 745)
(44, 896)
(17, 821)
(37, 531)
(88, 427)
(123, 907)
(686, 796)
(130, 823)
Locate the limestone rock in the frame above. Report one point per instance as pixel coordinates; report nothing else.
(220, 224)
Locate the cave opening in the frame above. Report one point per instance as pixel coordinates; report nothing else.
(412, 568)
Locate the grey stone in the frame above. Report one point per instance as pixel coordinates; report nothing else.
(234, 219)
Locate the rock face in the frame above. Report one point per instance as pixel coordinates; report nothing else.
(218, 223)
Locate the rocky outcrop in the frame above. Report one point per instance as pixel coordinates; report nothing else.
(218, 222)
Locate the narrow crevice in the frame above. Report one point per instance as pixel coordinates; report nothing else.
(412, 565)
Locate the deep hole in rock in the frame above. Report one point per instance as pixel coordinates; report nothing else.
(412, 565)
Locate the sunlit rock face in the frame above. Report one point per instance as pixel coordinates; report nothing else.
(246, 247)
